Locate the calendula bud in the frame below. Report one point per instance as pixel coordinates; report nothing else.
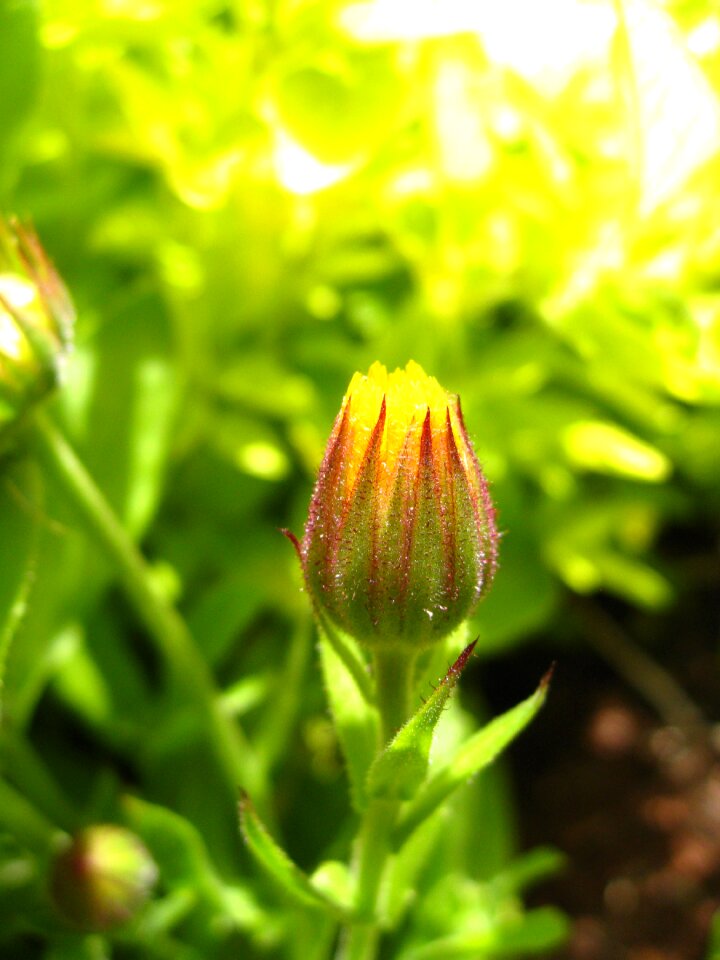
(102, 878)
(400, 541)
(36, 321)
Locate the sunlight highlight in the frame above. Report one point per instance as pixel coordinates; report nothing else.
(555, 39)
(302, 173)
(18, 294)
(672, 105)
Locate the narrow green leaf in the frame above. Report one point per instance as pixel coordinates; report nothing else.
(176, 846)
(355, 719)
(28, 825)
(401, 768)
(188, 872)
(23, 766)
(189, 875)
(273, 859)
(19, 521)
(529, 869)
(122, 423)
(477, 752)
(538, 931)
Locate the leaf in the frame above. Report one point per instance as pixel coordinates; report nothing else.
(176, 846)
(120, 413)
(535, 932)
(402, 766)
(529, 869)
(18, 519)
(354, 718)
(538, 931)
(25, 823)
(607, 448)
(19, 58)
(339, 115)
(477, 752)
(273, 859)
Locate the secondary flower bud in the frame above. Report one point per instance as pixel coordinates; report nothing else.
(400, 541)
(36, 321)
(103, 878)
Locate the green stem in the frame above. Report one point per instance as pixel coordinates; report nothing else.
(393, 673)
(393, 670)
(371, 855)
(355, 666)
(162, 622)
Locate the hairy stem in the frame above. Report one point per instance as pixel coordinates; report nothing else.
(393, 670)
(371, 856)
(393, 673)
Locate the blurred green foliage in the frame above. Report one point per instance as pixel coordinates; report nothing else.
(249, 201)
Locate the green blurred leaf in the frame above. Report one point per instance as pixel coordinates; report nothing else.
(714, 944)
(123, 423)
(355, 720)
(529, 869)
(187, 871)
(273, 859)
(607, 448)
(19, 516)
(339, 113)
(81, 685)
(175, 845)
(19, 63)
(536, 932)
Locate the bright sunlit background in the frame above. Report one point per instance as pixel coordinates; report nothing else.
(252, 199)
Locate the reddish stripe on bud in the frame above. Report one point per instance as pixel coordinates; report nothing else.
(400, 541)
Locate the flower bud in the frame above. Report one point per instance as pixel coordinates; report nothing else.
(36, 321)
(103, 878)
(400, 542)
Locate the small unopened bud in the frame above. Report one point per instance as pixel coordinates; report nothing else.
(400, 541)
(36, 321)
(102, 879)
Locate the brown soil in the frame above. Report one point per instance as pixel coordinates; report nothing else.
(633, 802)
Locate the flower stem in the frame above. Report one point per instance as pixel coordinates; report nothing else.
(372, 851)
(393, 670)
(162, 622)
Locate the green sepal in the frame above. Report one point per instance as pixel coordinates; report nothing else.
(275, 861)
(400, 769)
(355, 720)
(470, 758)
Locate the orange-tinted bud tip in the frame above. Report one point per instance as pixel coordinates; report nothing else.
(400, 541)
